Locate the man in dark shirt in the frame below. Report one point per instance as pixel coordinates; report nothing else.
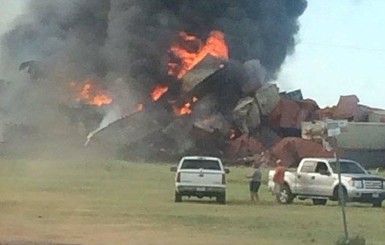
(255, 183)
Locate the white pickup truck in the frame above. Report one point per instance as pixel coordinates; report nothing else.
(317, 179)
(200, 176)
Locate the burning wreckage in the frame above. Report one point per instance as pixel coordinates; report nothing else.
(209, 94)
(211, 105)
(221, 108)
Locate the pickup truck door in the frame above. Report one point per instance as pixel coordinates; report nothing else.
(322, 180)
(304, 175)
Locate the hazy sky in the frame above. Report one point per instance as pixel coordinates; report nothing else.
(8, 10)
(341, 50)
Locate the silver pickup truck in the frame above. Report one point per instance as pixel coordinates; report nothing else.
(317, 179)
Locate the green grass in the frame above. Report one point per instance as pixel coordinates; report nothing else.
(116, 202)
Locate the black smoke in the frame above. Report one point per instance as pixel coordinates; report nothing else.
(127, 40)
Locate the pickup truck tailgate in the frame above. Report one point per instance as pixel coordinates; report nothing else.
(201, 177)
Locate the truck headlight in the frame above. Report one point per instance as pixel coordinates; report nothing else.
(356, 183)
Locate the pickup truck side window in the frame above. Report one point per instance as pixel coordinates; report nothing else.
(348, 167)
(198, 164)
(308, 167)
(321, 167)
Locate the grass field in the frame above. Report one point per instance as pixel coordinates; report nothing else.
(113, 203)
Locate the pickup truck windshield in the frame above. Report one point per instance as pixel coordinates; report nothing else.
(198, 164)
(347, 168)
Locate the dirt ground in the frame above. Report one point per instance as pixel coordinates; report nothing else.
(31, 243)
(110, 235)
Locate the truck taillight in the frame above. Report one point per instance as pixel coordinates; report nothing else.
(178, 177)
(223, 179)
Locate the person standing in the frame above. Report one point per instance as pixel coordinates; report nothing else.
(279, 177)
(255, 183)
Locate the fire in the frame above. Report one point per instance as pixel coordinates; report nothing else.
(184, 110)
(92, 94)
(157, 93)
(184, 56)
(190, 50)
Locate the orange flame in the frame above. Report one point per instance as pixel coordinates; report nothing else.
(186, 109)
(92, 94)
(190, 51)
(186, 54)
(158, 92)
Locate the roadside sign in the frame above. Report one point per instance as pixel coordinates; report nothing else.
(318, 130)
(335, 127)
(342, 123)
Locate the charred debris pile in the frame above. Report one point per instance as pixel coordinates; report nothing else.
(235, 126)
(154, 80)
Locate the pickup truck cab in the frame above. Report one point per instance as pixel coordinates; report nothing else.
(317, 179)
(200, 176)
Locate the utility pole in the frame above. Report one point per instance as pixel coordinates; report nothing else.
(328, 130)
(341, 194)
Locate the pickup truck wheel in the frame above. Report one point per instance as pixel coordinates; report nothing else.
(178, 197)
(336, 195)
(285, 196)
(317, 201)
(377, 204)
(221, 199)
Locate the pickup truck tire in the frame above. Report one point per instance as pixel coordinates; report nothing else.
(377, 204)
(221, 199)
(336, 195)
(317, 201)
(285, 196)
(178, 197)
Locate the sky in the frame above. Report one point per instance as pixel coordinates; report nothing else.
(340, 50)
(9, 9)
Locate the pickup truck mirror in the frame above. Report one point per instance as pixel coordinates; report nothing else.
(227, 170)
(173, 169)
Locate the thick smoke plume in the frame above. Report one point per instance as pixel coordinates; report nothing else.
(122, 44)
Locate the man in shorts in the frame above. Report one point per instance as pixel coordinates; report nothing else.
(255, 182)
